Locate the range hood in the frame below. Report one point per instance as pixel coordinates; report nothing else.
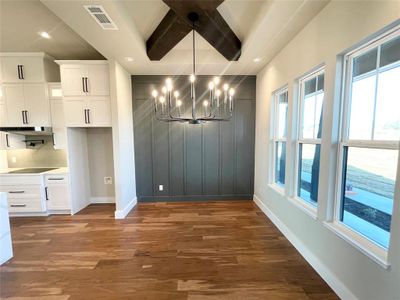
(28, 130)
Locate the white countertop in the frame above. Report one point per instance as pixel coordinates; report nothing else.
(63, 170)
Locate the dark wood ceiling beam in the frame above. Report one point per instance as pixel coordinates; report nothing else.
(211, 25)
(168, 33)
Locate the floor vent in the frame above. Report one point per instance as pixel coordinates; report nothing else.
(102, 18)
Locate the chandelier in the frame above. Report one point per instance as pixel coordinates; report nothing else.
(218, 107)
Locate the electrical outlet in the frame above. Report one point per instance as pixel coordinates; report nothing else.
(107, 180)
(13, 159)
(161, 187)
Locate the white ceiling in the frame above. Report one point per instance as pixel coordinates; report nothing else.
(20, 22)
(263, 26)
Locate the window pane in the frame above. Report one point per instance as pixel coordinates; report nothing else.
(362, 108)
(282, 114)
(365, 63)
(308, 172)
(368, 191)
(390, 52)
(312, 116)
(280, 162)
(387, 118)
(321, 82)
(310, 86)
(308, 116)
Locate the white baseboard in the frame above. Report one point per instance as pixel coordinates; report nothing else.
(96, 200)
(122, 213)
(340, 289)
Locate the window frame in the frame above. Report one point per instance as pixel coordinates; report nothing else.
(376, 251)
(275, 136)
(304, 204)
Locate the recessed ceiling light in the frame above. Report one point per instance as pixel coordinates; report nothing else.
(130, 59)
(257, 59)
(44, 34)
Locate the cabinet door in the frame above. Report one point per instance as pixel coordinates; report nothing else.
(98, 80)
(3, 111)
(75, 112)
(99, 112)
(15, 104)
(58, 124)
(32, 69)
(11, 141)
(9, 66)
(57, 197)
(36, 104)
(72, 80)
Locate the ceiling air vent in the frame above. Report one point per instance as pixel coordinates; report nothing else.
(101, 17)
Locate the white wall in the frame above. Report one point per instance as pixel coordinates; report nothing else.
(123, 139)
(340, 25)
(100, 157)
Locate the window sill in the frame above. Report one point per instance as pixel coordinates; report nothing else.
(367, 247)
(302, 205)
(277, 188)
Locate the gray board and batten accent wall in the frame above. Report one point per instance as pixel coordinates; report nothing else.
(211, 161)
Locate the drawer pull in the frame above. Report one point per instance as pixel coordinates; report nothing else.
(18, 205)
(55, 178)
(16, 192)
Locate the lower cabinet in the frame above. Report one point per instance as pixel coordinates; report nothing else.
(57, 192)
(32, 194)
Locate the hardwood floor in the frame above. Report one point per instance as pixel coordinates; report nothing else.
(201, 250)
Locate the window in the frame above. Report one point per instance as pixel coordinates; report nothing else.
(309, 136)
(279, 136)
(369, 147)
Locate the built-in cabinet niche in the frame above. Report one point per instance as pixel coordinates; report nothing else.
(24, 98)
(90, 162)
(86, 93)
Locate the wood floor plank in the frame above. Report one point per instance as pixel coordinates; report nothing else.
(202, 250)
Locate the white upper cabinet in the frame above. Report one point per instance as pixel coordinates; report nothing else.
(86, 93)
(74, 80)
(26, 105)
(85, 79)
(27, 68)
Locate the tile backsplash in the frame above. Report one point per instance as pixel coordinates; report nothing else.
(41, 156)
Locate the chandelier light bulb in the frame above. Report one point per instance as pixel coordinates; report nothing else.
(154, 93)
(226, 87)
(162, 99)
(178, 103)
(176, 94)
(205, 103)
(231, 92)
(216, 80)
(164, 89)
(211, 85)
(192, 78)
(168, 81)
(218, 93)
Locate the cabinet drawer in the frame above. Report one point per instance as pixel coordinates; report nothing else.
(56, 179)
(22, 191)
(25, 205)
(20, 180)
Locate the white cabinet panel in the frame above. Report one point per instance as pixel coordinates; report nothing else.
(74, 112)
(22, 69)
(57, 197)
(100, 112)
(98, 80)
(36, 105)
(58, 123)
(11, 141)
(72, 80)
(15, 103)
(3, 115)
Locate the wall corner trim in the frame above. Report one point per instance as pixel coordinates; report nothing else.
(122, 213)
(338, 286)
